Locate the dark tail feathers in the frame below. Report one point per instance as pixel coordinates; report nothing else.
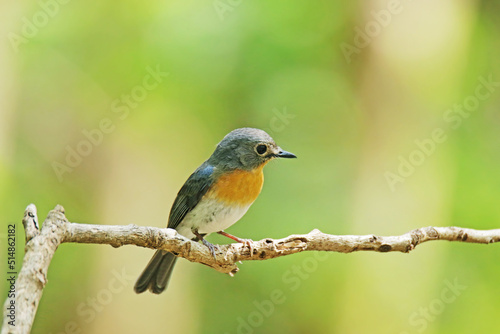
(157, 273)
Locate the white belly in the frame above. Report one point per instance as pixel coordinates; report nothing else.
(210, 216)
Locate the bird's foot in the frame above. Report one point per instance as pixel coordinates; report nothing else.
(210, 246)
(248, 242)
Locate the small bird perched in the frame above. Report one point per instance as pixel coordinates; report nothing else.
(215, 197)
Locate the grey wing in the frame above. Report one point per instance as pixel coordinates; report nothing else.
(190, 194)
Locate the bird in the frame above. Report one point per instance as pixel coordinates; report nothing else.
(214, 197)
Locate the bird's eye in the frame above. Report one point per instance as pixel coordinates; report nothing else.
(261, 149)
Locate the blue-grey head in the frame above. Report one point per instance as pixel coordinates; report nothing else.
(247, 149)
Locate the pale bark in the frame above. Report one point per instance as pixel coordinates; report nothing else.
(42, 244)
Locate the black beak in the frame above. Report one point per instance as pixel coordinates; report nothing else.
(285, 154)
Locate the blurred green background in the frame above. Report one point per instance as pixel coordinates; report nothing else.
(357, 89)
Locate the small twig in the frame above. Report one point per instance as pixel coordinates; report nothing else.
(30, 222)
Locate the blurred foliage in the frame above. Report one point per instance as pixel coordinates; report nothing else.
(279, 66)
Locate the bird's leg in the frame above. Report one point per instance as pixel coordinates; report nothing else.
(206, 243)
(230, 236)
(247, 242)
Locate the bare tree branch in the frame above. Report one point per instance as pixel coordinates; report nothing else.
(41, 245)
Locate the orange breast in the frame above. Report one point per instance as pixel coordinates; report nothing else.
(239, 187)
